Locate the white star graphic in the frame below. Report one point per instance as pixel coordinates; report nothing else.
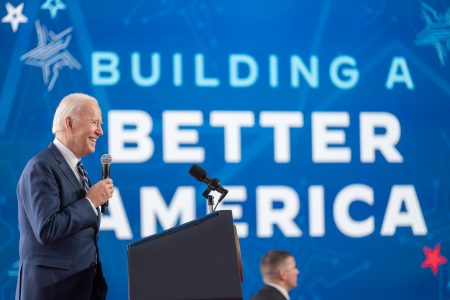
(53, 6)
(14, 16)
(51, 53)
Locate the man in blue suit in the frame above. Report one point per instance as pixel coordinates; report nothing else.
(280, 274)
(59, 213)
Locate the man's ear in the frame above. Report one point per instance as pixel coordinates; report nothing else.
(282, 274)
(68, 123)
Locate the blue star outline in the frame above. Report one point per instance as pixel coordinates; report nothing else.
(53, 6)
(437, 31)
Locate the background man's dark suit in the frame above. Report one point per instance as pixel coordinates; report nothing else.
(268, 293)
(58, 232)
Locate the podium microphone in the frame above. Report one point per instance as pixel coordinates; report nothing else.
(200, 174)
(213, 185)
(106, 161)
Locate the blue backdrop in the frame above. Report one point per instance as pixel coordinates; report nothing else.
(328, 121)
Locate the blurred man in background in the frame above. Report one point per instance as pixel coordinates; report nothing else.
(280, 273)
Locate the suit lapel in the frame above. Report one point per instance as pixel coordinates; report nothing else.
(64, 166)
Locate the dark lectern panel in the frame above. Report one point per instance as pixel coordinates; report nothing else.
(197, 260)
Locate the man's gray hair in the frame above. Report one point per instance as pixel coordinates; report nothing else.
(69, 106)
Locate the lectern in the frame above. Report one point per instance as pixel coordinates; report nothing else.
(197, 260)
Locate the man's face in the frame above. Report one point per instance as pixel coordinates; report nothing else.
(291, 273)
(86, 129)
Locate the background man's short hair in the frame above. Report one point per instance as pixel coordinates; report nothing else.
(272, 261)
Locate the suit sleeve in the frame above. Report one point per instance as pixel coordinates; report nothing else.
(40, 193)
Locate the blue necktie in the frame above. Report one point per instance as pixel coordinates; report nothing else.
(84, 176)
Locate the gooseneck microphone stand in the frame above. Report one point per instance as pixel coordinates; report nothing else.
(206, 194)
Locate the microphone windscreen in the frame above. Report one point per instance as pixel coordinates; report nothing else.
(197, 172)
(106, 159)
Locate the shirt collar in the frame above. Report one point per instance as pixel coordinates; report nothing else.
(279, 288)
(68, 155)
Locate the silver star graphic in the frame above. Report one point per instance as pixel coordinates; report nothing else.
(51, 53)
(14, 16)
(437, 31)
(53, 6)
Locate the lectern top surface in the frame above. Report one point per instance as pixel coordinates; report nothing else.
(176, 228)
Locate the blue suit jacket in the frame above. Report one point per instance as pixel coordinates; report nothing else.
(58, 227)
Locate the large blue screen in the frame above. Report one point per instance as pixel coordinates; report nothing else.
(328, 121)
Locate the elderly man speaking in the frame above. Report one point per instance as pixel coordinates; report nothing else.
(59, 213)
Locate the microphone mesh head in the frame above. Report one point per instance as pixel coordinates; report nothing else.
(106, 159)
(197, 172)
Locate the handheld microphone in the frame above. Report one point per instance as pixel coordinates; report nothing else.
(200, 174)
(106, 161)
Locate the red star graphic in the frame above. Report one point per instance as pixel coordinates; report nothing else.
(433, 259)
